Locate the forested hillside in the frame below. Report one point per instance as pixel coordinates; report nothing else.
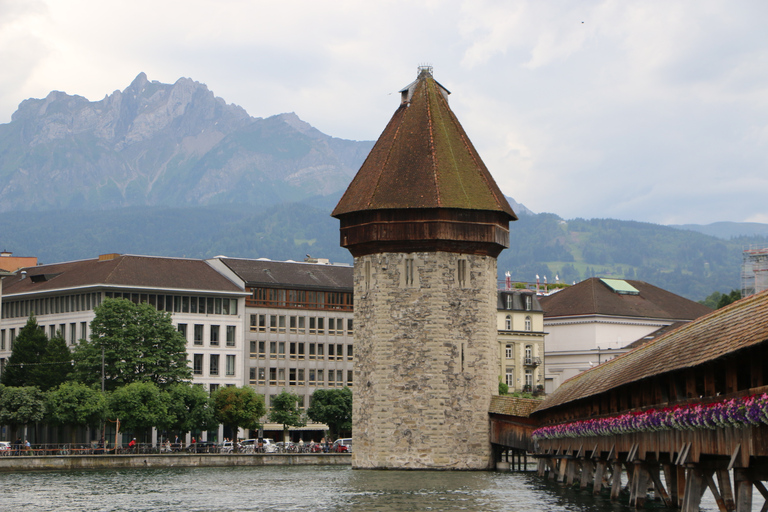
(685, 262)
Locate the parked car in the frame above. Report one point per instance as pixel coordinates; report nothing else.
(5, 448)
(266, 444)
(226, 447)
(343, 445)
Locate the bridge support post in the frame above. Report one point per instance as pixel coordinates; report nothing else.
(724, 481)
(587, 473)
(743, 484)
(638, 490)
(616, 480)
(597, 487)
(694, 488)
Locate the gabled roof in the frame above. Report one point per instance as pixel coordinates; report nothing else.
(423, 159)
(594, 297)
(120, 271)
(291, 274)
(737, 326)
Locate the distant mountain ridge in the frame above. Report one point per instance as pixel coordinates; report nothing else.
(176, 171)
(727, 230)
(161, 144)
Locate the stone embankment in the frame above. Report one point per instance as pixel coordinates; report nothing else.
(67, 462)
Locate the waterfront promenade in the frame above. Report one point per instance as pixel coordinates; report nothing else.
(176, 460)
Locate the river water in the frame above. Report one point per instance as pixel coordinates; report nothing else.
(305, 488)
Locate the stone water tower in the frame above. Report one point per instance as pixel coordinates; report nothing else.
(425, 222)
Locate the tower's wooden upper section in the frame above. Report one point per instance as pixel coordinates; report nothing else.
(423, 187)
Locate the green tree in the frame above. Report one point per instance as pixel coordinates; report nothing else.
(238, 407)
(139, 406)
(139, 343)
(21, 406)
(728, 299)
(57, 364)
(712, 300)
(284, 409)
(332, 407)
(189, 408)
(74, 403)
(23, 367)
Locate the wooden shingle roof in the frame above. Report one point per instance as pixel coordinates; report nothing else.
(735, 327)
(423, 159)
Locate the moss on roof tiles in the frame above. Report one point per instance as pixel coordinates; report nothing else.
(423, 159)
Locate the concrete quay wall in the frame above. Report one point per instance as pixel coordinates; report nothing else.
(77, 462)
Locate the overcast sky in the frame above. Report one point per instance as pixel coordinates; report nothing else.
(648, 110)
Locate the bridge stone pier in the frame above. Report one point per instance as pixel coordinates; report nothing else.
(680, 416)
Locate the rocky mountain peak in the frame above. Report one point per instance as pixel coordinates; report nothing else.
(170, 144)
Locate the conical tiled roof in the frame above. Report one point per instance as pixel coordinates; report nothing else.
(423, 159)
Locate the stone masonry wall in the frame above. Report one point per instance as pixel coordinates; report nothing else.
(426, 361)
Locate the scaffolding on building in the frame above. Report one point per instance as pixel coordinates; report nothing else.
(754, 270)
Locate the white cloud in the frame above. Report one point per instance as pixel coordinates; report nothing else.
(647, 111)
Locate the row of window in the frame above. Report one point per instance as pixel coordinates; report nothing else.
(50, 305)
(300, 377)
(510, 379)
(301, 324)
(69, 333)
(198, 364)
(284, 298)
(214, 334)
(300, 350)
(508, 323)
(181, 303)
(510, 352)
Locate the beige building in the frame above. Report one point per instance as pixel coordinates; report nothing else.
(299, 328)
(520, 324)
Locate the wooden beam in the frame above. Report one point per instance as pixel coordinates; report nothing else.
(597, 485)
(724, 481)
(693, 489)
(616, 480)
(743, 490)
(654, 473)
(715, 492)
(587, 473)
(638, 491)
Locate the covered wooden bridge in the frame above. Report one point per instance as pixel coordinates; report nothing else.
(684, 414)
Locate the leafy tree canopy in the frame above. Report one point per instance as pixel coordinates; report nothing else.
(189, 408)
(139, 406)
(332, 407)
(74, 403)
(238, 407)
(21, 405)
(284, 409)
(36, 361)
(140, 345)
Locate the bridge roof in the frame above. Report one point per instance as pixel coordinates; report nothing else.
(741, 325)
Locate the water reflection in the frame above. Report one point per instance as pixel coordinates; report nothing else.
(321, 489)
